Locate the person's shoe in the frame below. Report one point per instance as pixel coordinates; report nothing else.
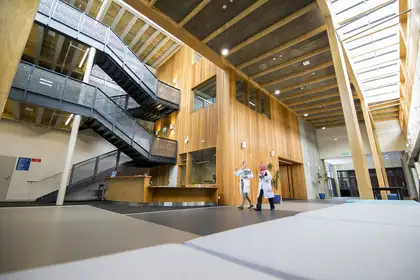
(241, 207)
(273, 209)
(257, 209)
(250, 206)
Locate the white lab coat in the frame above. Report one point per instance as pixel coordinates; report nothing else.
(246, 179)
(265, 184)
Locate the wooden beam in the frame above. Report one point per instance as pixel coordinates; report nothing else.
(128, 27)
(89, 6)
(349, 109)
(323, 116)
(318, 105)
(148, 42)
(308, 92)
(318, 98)
(308, 83)
(296, 75)
(117, 18)
(156, 49)
(273, 27)
(386, 116)
(152, 2)
(166, 55)
(289, 44)
(388, 110)
(138, 35)
(194, 12)
(235, 20)
(104, 9)
(320, 110)
(291, 62)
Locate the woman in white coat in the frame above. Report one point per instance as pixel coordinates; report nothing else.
(245, 175)
(264, 188)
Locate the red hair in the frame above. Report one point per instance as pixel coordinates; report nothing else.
(263, 167)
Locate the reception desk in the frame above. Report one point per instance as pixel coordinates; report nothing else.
(137, 189)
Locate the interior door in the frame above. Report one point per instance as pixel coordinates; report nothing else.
(6, 169)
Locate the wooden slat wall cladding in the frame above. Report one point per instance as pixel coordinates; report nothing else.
(228, 123)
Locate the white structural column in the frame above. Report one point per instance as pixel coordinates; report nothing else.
(92, 52)
(69, 159)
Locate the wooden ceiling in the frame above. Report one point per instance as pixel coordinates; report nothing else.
(268, 43)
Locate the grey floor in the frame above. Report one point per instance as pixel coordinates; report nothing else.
(38, 236)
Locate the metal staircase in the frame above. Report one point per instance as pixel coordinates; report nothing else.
(88, 172)
(156, 99)
(34, 84)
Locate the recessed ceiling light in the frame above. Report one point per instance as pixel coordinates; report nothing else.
(335, 139)
(306, 115)
(323, 128)
(313, 73)
(224, 7)
(225, 52)
(302, 88)
(274, 58)
(29, 109)
(277, 91)
(306, 63)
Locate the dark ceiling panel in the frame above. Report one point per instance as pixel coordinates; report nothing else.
(295, 68)
(262, 18)
(302, 79)
(177, 10)
(311, 87)
(315, 103)
(315, 95)
(316, 42)
(280, 36)
(213, 16)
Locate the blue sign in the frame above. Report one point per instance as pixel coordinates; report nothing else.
(23, 164)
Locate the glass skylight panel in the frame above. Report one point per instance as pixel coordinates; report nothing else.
(383, 97)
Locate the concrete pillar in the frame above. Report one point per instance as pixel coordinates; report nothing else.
(16, 20)
(408, 176)
(68, 160)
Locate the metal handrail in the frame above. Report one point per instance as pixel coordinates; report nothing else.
(63, 85)
(48, 8)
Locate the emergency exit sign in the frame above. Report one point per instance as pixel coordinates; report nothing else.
(345, 153)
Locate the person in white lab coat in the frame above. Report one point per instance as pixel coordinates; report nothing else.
(264, 188)
(245, 175)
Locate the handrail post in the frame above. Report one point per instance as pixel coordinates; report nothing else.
(62, 92)
(95, 170)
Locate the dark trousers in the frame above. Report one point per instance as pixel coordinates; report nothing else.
(260, 198)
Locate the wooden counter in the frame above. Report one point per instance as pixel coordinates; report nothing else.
(127, 188)
(137, 189)
(183, 194)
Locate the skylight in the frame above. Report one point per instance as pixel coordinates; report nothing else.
(370, 32)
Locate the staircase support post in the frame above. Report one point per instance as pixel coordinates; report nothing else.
(68, 161)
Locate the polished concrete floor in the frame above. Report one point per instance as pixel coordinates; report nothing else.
(37, 236)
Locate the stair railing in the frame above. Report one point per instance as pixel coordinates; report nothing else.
(65, 90)
(57, 13)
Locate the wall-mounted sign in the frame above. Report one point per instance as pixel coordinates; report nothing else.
(23, 164)
(36, 160)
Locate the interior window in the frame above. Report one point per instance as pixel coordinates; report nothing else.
(205, 94)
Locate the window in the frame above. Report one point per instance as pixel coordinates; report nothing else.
(264, 105)
(252, 98)
(205, 94)
(203, 167)
(196, 57)
(240, 89)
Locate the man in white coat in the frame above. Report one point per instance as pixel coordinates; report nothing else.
(264, 188)
(245, 175)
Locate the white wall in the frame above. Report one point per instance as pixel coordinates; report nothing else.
(392, 159)
(50, 145)
(389, 136)
(311, 157)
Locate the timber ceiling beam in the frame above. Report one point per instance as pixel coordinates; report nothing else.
(332, 119)
(296, 75)
(318, 105)
(291, 62)
(320, 110)
(308, 83)
(235, 20)
(194, 12)
(318, 98)
(273, 27)
(151, 3)
(289, 44)
(308, 92)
